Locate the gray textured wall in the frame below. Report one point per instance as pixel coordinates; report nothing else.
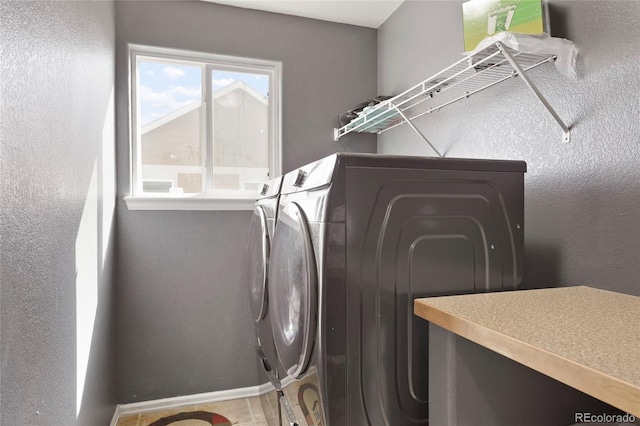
(183, 317)
(581, 199)
(57, 204)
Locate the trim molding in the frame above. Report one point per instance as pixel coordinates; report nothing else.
(196, 399)
(179, 401)
(116, 416)
(189, 203)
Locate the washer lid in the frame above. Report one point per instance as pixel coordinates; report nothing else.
(258, 252)
(293, 290)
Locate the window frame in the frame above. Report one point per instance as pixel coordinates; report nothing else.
(209, 199)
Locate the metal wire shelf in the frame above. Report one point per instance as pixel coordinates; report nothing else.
(464, 78)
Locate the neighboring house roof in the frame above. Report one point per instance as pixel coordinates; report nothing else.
(238, 84)
(171, 116)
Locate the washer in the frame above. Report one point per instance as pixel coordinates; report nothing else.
(260, 236)
(358, 238)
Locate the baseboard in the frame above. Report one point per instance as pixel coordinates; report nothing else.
(200, 398)
(286, 381)
(179, 401)
(116, 416)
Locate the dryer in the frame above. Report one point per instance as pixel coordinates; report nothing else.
(261, 228)
(358, 238)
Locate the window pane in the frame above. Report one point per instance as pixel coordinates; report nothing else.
(170, 120)
(240, 130)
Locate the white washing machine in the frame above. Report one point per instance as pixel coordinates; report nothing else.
(357, 239)
(261, 230)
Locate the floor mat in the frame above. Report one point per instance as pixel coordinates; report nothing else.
(211, 418)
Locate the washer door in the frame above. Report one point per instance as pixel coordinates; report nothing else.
(258, 263)
(293, 290)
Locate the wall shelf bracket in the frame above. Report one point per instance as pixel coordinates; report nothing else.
(415, 129)
(566, 133)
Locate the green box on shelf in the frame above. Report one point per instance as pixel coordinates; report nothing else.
(483, 18)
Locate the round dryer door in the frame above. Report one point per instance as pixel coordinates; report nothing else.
(293, 290)
(258, 263)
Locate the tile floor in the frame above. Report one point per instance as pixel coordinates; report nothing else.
(241, 412)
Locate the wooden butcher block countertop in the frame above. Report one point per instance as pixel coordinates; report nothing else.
(584, 337)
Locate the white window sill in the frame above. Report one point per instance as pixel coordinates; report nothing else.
(188, 203)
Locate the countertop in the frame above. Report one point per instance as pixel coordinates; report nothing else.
(584, 337)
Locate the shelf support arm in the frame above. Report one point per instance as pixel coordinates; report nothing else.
(565, 130)
(415, 129)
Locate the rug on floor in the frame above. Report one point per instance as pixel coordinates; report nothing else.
(211, 418)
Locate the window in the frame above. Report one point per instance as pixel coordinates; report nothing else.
(205, 129)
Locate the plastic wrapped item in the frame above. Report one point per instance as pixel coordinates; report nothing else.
(356, 111)
(565, 50)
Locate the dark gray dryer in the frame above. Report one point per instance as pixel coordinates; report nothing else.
(260, 237)
(358, 238)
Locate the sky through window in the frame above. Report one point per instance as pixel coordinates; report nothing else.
(167, 87)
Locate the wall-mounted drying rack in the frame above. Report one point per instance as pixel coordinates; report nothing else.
(475, 72)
